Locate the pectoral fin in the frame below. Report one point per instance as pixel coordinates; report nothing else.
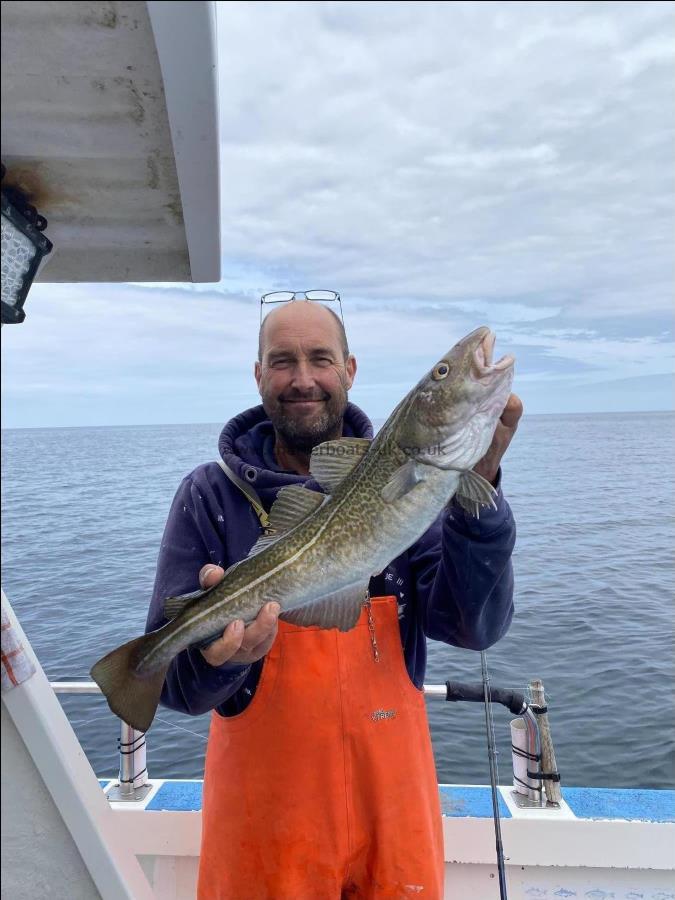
(474, 491)
(403, 481)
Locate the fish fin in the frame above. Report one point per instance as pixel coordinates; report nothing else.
(402, 481)
(340, 609)
(332, 461)
(132, 697)
(174, 606)
(264, 541)
(293, 505)
(474, 491)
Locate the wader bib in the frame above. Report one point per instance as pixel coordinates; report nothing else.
(324, 787)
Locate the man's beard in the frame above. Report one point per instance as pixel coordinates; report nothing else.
(303, 436)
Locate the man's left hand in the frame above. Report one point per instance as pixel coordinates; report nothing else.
(488, 466)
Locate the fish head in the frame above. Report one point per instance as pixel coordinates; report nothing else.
(449, 417)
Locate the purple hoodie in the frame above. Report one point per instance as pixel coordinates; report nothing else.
(455, 584)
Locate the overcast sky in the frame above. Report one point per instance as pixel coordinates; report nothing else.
(443, 166)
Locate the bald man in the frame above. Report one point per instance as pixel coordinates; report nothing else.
(319, 779)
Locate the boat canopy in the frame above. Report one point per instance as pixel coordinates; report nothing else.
(110, 127)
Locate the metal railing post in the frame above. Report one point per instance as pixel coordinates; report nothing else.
(133, 772)
(133, 775)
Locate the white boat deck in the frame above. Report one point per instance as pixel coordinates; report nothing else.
(603, 844)
(60, 830)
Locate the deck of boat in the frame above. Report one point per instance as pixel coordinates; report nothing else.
(62, 837)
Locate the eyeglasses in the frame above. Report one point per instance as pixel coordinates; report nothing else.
(288, 296)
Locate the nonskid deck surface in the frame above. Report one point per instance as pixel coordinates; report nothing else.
(465, 801)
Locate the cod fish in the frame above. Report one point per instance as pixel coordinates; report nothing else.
(381, 496)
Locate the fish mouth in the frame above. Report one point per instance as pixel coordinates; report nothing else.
(482, 357)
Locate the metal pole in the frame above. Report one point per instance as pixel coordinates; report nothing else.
(127, 751)
(492, 757)
(526, 755)
(133, 775)
(75, 687)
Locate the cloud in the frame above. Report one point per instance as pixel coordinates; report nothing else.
(442, 166)
(453, 152)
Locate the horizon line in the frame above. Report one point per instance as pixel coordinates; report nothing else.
(597, 412)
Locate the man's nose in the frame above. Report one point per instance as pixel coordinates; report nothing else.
(303, 375)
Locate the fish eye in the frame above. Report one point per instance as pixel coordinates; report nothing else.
(440, 371)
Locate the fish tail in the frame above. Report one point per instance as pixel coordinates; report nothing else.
(132, 697)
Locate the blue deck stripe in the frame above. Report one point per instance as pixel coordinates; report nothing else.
(178, 796)
(476, 802)
(614, 803)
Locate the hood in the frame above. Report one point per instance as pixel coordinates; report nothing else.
(246, 445)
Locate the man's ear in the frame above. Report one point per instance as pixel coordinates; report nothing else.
(350, 370)
(257, 372)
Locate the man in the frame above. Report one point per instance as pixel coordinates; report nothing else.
(320, 780)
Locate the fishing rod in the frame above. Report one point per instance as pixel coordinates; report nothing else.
(492, 757)
(516, 703)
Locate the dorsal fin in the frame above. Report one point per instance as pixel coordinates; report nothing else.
(174, 606)
(332, 461)
(264, 541)
(292, 506)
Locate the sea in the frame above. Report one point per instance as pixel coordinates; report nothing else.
(83, 510)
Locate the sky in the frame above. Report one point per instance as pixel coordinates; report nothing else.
(442, 166)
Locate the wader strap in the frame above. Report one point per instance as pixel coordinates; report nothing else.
(249, 493)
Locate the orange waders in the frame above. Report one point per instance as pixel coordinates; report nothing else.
(324, 786)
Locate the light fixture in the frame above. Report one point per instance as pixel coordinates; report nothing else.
(23, 248)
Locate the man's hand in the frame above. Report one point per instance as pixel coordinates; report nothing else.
(239, 644)
(488, 466)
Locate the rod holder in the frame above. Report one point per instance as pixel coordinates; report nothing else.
(526, 753)
(133, 775)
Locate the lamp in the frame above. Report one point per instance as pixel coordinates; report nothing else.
(23, 248)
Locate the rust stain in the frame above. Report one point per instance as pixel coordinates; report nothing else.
(31, 181)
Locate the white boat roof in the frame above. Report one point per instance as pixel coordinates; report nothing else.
(110, 125)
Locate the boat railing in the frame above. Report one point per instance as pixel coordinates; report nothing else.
(133, 783)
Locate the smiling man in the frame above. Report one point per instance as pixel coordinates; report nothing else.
(320, 780)
(302, 381)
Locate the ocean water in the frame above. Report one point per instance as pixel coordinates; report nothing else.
(83, 511)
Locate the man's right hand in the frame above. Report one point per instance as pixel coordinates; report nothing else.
(238, 644)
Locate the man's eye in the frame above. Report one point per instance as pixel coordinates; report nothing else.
(280, 363)
(323, 360)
